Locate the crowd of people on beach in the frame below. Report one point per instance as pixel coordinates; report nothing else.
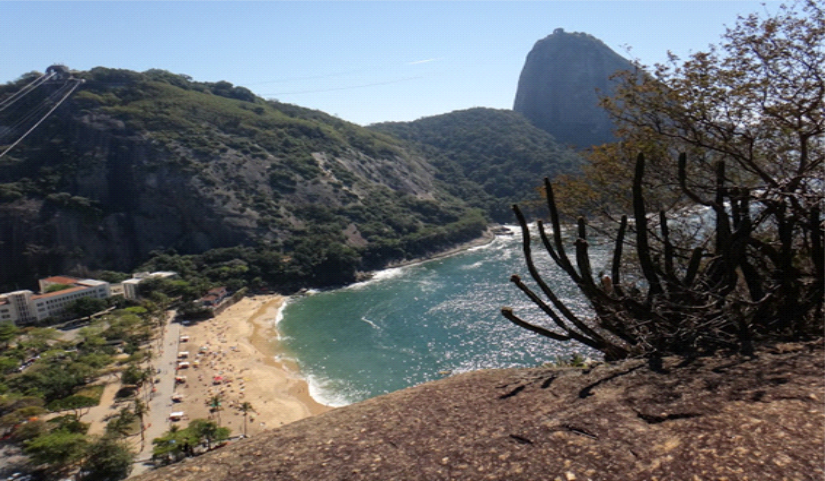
(215, 384)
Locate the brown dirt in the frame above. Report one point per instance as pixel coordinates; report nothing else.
(718, 418)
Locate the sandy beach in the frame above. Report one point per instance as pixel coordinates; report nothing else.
(234, 355)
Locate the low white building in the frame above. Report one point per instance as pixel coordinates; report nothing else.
(26, 307)
(130, 286)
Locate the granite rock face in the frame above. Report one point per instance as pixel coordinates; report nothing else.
(560, 85)
(711, 418)
(141, 162)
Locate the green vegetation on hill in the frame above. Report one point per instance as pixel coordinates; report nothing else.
(176, 110)
(491, 158)
(141, 163)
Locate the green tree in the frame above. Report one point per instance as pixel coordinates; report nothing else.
(134, 375)
(140, 410)
(8, 332)
(208, 431)
(10, 420)
(171, 446)
(215, 406)
(122, 425)
(70, 423)
(86, 306)
(246, 407)
(8, 364)
(30, 430)
(79, 405)
(58, 448)
(53, 381)
(58, 287)
(38, 338)
(107, 459)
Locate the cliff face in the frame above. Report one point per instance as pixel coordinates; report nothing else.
(137, 162)
(712, 418)
(122, 200)
(560, 84)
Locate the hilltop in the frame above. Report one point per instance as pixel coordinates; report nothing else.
(559, 88)
(712, 418)
(491, 158)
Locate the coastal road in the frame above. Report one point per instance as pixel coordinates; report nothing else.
(160, 404)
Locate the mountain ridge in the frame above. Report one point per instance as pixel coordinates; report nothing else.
(136, 162)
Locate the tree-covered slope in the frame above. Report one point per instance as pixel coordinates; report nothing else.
(491, 158)
(134, 163)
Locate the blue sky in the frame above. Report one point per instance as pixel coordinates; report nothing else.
(365, 62)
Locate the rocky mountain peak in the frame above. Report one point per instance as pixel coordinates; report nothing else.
(560, 85)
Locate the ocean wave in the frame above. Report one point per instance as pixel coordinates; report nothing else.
(429, 284)
(378, 276)
(473, 266)
(370, 322)
(279, 316)
(286, 361)
(332, 393)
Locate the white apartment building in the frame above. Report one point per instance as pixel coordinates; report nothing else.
(25, 307)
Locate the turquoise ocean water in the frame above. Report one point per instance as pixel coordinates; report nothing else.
(413, 324)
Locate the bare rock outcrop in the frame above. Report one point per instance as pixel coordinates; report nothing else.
(560, 84)
(713, 418)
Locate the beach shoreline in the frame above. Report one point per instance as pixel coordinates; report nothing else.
(235, 356)
(240, 346)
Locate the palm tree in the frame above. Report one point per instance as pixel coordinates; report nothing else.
(140, 410)
(215, 406)
(122, 424)
(208, 431)
(245, 408)
(169, 445)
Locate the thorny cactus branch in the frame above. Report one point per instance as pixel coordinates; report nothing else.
(755, 279)
(545, 289)
(642, 245)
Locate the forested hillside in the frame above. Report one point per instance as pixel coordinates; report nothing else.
(135, 165)
(491, 158)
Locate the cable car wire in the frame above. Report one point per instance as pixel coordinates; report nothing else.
(77, 83)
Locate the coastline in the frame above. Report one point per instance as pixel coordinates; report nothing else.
(241, 347)
(237, 360)
(486, 237)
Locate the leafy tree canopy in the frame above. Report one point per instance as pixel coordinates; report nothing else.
(8, 331)
(108, 459)
(742, 260)
(755, 101)
(56, 448)
(86, 306)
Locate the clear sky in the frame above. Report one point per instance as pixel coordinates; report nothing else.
(365, 62)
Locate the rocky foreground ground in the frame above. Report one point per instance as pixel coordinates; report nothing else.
(719, 418)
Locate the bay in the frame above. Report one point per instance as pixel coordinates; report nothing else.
(414, 324)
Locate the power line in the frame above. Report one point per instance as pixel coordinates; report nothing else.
(77, 83)
(343, 88)
(6, 103)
